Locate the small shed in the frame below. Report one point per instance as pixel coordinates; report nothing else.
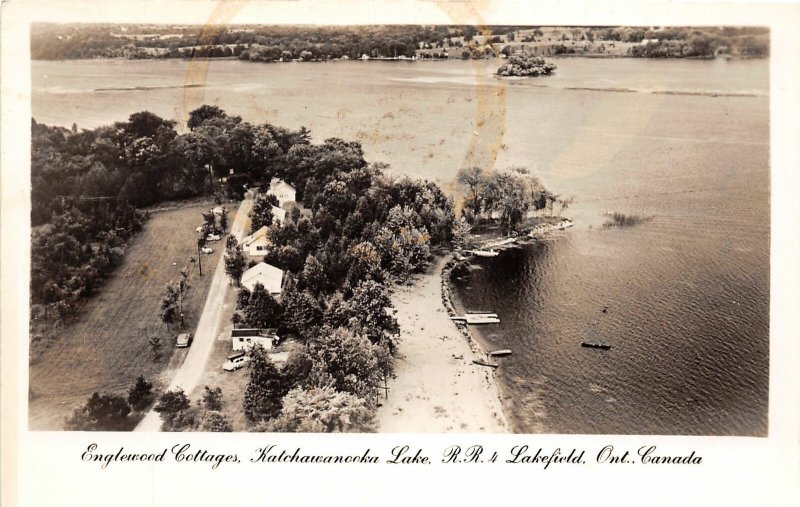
(245, 339)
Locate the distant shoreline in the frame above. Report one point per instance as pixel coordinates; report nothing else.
(388, 59)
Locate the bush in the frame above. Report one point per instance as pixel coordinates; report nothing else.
(102, 412)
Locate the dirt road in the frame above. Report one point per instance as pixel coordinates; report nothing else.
(207, 329)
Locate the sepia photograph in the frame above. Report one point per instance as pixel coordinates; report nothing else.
(400, 228)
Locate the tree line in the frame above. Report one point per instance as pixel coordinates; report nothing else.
(264, 43)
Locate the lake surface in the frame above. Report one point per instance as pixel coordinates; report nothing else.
(686, 292)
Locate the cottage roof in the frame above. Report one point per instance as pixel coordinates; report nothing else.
(267, 275)
(278, 184)
(278, 214)
(261, 233)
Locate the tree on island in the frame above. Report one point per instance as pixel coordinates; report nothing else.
(525, 66)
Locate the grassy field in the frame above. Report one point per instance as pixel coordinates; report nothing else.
(107, 348)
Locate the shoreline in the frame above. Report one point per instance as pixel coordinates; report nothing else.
(437, 388)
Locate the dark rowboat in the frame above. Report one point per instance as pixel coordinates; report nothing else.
(595, 345)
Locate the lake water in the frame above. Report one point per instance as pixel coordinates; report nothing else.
(687, 292)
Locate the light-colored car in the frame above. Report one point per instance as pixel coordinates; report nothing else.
(207, 250)
(184, 340)
(199, 229)
(236, 361)
(213, 237)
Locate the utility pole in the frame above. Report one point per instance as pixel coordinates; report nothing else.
(201, 241)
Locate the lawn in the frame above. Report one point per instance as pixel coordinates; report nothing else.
(107, 347)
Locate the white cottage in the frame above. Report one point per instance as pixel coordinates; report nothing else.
(267, 275)
(284, 192)
(246, 339)
(255, 245)
(278, 215)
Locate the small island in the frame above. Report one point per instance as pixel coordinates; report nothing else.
(525, 66)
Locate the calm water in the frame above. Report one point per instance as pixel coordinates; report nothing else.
(687, 292)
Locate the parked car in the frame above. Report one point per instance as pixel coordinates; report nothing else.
(199, 229)
(213, 237)
(207, 250)
(236, 361)
(184, 340)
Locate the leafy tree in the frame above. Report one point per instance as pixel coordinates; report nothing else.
(265, 389)
(365, 263)
(262, 310)
(214, 421)
(313, 276)
(473, 178)
(203, 113)
(350, 361)
(170, 305)
(235, 261)
(369, 311)
(155, 346)
(102, 412)
(170, 405)
(302, 312)
(261, 212)
(298, 368)
(141, 394)
(461, 230)
(323, 410)
(403, 246)
(212, 398)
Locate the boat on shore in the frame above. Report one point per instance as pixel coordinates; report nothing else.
(500, 353)
(596, 345)
(484, 363)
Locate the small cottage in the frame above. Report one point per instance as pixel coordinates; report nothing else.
(245, 339)
(283, 191)
(255, 245)
(267, 275)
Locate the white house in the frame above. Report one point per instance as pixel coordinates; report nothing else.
(245, 339)
(282, 190)
(256, 244)
(268, 276)
(279, 215)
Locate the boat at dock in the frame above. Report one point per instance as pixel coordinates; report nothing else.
(477, 319)
(484, 253)
(596, 345)
(501, 352)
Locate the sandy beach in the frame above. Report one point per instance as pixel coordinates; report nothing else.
(437, 388)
